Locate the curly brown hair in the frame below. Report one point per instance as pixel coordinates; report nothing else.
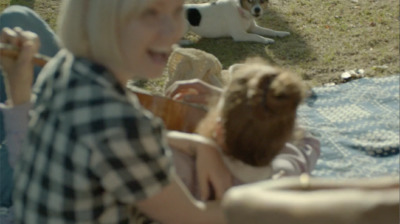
(258, 112)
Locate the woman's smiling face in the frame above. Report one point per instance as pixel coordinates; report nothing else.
(146, 40)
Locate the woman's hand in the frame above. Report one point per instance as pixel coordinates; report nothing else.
(18, 72)
(213, 176)
(211, 170)
(193, 91)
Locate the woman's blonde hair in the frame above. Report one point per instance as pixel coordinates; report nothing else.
(89, 28)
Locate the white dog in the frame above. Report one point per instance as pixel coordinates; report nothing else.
(230, 18)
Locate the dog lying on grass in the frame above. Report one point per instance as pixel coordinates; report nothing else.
(230, 18)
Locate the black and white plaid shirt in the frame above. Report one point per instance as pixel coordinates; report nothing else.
(92, 152)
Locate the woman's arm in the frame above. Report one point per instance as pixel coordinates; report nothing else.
(16, 126)
(211, 170)
(18, 73)
(175, 205)
(18, 78)
(187, 142)
(311, 200)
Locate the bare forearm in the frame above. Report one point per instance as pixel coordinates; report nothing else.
(178, 141)
(347, 206)
(18, 72)
(175, 205)
(18, 92)
(185, 142)
(16, 125)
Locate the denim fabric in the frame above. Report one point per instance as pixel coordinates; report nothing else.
(27, 19)
(6, 173)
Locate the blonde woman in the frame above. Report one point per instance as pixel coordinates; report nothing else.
(92, 154)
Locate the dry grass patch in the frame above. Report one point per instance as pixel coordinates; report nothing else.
(327, 37)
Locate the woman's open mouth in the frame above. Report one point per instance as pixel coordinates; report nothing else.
(159, 56)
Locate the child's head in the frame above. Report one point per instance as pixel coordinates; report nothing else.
(132, 37)
(256, 114)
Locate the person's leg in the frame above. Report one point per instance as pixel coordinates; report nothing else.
(27, 19)
(6, 173)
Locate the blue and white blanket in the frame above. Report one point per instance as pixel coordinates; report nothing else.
(358, 126)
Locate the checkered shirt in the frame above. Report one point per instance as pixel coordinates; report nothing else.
(91, 152)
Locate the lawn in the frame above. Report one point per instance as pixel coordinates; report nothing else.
(327, 37)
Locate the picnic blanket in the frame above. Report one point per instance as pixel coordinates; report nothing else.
(358, 126)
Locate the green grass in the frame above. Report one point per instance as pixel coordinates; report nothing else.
(47, 9)
(327, 37)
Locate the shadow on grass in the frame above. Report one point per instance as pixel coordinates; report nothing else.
(291, 49)
(27, 3)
